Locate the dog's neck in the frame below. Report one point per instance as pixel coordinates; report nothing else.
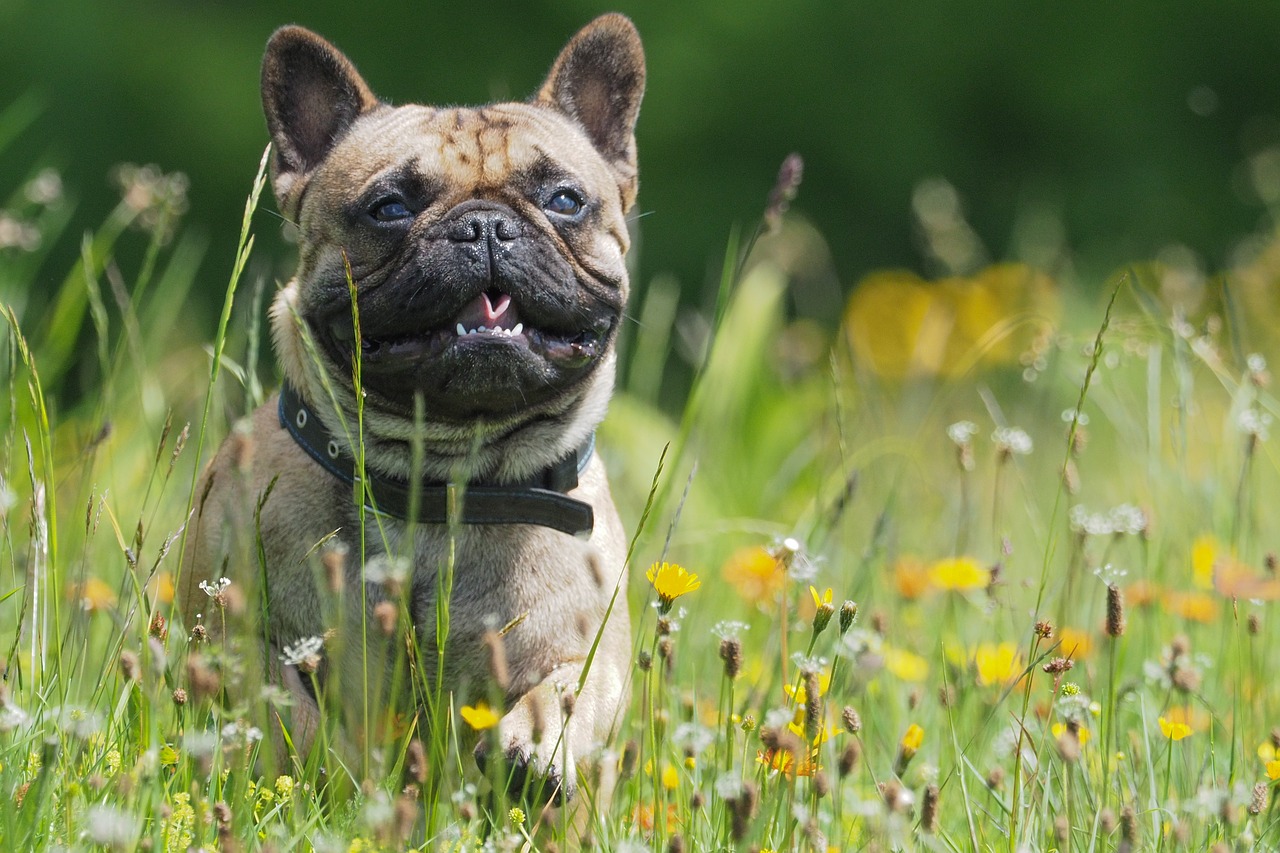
(540, 500)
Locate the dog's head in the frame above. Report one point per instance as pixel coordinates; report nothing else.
(485, 245)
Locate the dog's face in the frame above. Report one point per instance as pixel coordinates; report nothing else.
(485, 245)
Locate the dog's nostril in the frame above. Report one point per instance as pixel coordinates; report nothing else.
(467, 231)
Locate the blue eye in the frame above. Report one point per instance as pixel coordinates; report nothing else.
(564, 203)
(391, 210)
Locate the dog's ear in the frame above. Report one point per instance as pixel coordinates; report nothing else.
(598, 81)
(311, 94)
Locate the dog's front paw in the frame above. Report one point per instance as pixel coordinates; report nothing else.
(535, 769)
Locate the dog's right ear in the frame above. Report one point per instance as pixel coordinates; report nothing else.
(311, 94)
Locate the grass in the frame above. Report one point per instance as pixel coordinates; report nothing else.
(1056, 537)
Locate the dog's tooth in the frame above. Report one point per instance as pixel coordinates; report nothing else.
(461, 330)
(517, 329)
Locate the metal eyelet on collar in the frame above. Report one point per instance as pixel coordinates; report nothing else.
(301, 419)
(333, 449)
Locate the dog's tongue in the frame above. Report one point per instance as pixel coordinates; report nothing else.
(490, 311)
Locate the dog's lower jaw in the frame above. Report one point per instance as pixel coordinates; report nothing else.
(492, 450)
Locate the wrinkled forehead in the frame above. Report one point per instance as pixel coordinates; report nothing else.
(470, 149)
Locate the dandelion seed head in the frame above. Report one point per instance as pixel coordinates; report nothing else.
(962, 432)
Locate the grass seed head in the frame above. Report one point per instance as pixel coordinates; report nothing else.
(1258, 802)
(929, 810)
(497, 659)
(731, 654)
(1115, 611)
(848, 760)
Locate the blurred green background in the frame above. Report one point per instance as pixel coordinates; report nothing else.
(1076, 136)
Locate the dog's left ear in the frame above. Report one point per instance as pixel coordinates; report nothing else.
(598, 80)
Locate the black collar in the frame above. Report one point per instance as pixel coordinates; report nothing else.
(542, 500)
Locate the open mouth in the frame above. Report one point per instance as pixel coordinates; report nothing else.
(492, 318)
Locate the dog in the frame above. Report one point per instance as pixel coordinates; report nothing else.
(448, 348)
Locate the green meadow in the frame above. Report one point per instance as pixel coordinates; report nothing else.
(984, 563)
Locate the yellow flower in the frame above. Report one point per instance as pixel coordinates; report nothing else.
(93, 595)
(910, 578)
(1174, 730)
(959, 573)
(1205, 551)
(997, 664)
(819, 600)
(1197, 718)
(1273, 770)
(756, 574)
(913, 738)
(905, 665)
(1192, 606)
(671, 581)
(1074, 643)
(168, 755)
(670, 778)
(798, 693)
(1267, 751)
(1059, 729)
(479, 717)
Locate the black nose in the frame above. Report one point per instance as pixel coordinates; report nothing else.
(485, 225)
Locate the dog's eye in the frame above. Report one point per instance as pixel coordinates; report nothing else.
(390, 210)
(564, 203)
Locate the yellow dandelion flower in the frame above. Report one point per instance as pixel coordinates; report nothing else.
(1197, 718)
(671, 581)
(480, 716)
(913, 738)
(820, 599)
(93, 595)
(905, 665)
(997, 664)
(1273, 770)
(1267, 751)
(960, 574)
(798, 693)
(1173, 730)
(1074, 643)
(756, 574)
(161, 587)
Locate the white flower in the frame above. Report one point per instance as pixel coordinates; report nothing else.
(392, 571)
(111, 827)
(1129, 519)
(961, 432)
(1254, 423)
(216, 588)
(729, 628)
(808, 665)
(1110, 575)
(1256, 362)
(776, 718)
(729, 786)
(1012, 440)
(692, 738)
(306, 650)
(11, 717)
(1069, 415)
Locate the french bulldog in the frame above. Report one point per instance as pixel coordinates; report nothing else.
(448, 348)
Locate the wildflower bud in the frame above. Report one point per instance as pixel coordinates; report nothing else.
(1061, 828)
(667, 652)
(814, 835)
(929, 810)
(415, 765)
(205, 682)
(995, 779)
(1043, 629)
(741, 809)
(769, 737)
(1180, 647)
(1186, 679)
(179, 697)
(676, 844)
(199, 634)
(1254, 624)
(852, 722)
(731, 654)
(1115, 611)
(784, 191)
(334, 560)
(894, 796)
(665, 626)
(644, 660)
(467, 811)
(1107, 821)
(568, 700)
(848, 760)
(812, 706)
(406, 812)
(1069, 744)
(158, 628)
(822, 617)
(749, 723)
(848, 613)
(630, 757)
(386, 614)
(821, 783)
(947, 695)
(1129, 826)
(879, 623)
(1258, 804)
(697, 800)
(1270, 562)
(913, 698)
(1057, 666)
(129, 665)
(497, 659)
